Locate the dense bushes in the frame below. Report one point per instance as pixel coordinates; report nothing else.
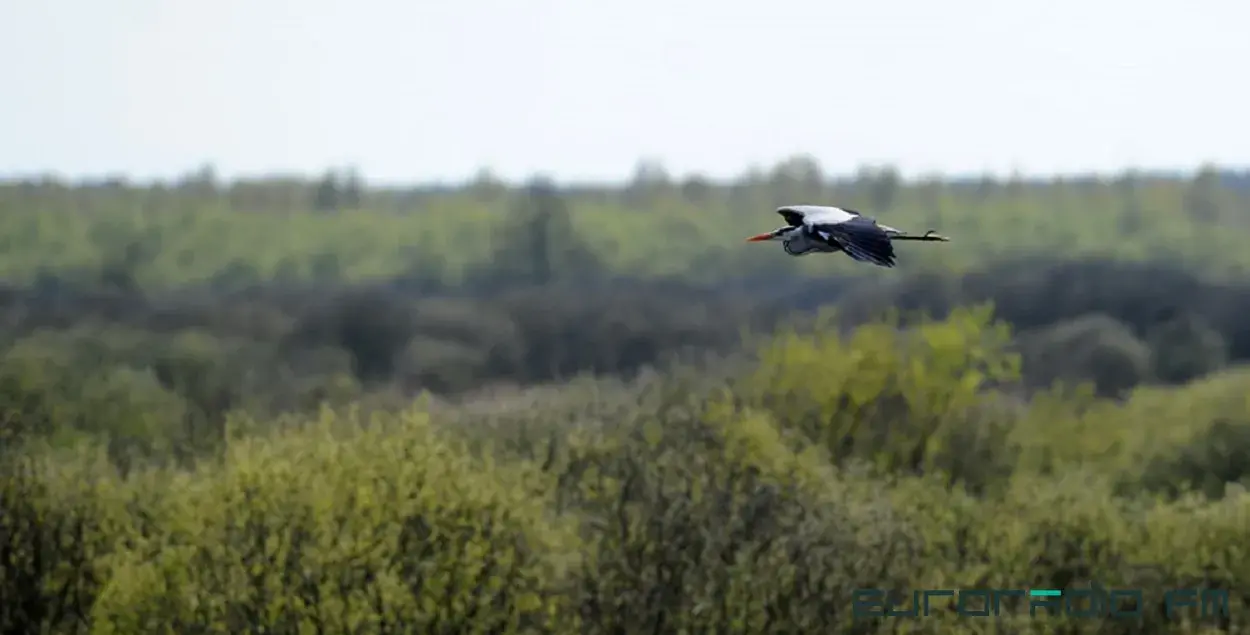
(753, 500)
(336, 526)
(909, 401)
(1136, 322)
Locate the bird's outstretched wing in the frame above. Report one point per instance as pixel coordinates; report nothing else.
(797, 215)
(861, 238)
(793, 217)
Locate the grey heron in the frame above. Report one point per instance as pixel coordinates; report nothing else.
(821, 229)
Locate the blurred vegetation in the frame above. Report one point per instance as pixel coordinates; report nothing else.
(288, 406)
(202, 230)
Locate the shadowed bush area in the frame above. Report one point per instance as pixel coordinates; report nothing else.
(753, 499)
(172, 365)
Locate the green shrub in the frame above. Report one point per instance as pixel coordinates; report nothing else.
(60, 518)
(1069, 532)
(334, 525)
(1095, 348)
(1186, 348)
(1208, 464)
(707, 520)
(907, 400)
(1200, 435)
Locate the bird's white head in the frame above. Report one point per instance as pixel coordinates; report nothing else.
(777, 234)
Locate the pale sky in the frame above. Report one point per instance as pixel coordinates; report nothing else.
(582, 89)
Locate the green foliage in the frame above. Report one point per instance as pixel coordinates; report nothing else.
(159, 375)
(150, 483)
(337, 525)
(1095, 349)
(55, 396)
(1209, 464)
(1207, 454)
(334, 227)
(907, 400)
(539, 245)
(751, 500)
(1070, 531)
(1186, 348)
(688, 507)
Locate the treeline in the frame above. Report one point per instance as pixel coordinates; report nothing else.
(345, 189)
(202, 231)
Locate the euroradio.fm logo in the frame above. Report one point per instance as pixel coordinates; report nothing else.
(1094, 602)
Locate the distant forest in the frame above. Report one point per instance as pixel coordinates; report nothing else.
(201, 231)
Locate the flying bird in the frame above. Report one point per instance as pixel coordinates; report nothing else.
(820, 229)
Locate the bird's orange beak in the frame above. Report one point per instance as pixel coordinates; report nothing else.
(760, 237)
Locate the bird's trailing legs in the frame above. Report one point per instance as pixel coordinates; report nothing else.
(930, 236)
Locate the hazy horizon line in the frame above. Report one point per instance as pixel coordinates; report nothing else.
(11, 177)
